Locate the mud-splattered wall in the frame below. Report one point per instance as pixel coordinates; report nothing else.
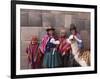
(34, 22)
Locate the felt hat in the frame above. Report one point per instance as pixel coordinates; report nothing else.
(50, 28)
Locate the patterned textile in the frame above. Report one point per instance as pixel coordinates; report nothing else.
(43, 43)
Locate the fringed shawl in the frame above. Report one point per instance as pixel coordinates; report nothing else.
(44, 43)
(64, 45)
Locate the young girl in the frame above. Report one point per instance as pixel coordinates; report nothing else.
(51, 58)
(75, 36)
(64, 48)
(33, 53)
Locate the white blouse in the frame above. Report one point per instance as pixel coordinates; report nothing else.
(54, 41)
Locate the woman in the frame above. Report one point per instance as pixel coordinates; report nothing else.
(51, 58)
(64, 48)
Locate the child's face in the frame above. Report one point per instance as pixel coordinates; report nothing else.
(51, 32)
(73, 31)
(34, 42)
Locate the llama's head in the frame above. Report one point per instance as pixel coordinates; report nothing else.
(74, 45)
(72, 39)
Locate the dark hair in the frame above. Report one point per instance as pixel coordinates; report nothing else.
(72, 27)
(50, 28)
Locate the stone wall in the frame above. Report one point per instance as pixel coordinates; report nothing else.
(34, 22)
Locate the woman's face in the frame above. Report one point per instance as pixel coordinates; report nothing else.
(34, 42)
(62, 34)
(51, 32)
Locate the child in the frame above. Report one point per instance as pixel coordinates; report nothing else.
(51, 58)
(64, 48)
(33, 53)
(75, 36)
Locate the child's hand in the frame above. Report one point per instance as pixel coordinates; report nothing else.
(76, 38)
(29, 57)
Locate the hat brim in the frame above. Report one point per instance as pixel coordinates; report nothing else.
(50, 29)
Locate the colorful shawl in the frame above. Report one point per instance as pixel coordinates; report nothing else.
(64, 45)
(31, 50)
(44, 43)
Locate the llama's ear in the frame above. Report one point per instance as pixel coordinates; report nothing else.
(71, 37)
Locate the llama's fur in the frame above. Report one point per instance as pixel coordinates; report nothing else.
(81, 57)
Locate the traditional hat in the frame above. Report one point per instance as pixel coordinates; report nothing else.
(50, 28)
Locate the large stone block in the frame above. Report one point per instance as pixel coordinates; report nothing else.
(68, 20)
(48, 19)
(28, 32)
(86, 38)
(59, 20)
(84, 15)
(31, 17)
(82, 20)
(24, 18)
(80, 24)
(35, 19)
(56, 19)
(24, 63)
(23, 46)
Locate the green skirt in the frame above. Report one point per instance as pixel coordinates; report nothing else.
(51, 60)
